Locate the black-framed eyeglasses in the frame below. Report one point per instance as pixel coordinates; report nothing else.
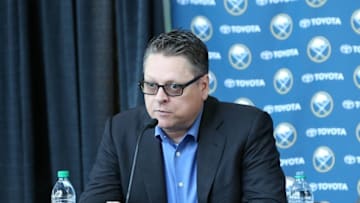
(171, 89)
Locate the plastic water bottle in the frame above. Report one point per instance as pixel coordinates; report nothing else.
(63, 191)
(289, 181)
(300, 191)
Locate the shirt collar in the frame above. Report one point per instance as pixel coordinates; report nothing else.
(193, 131)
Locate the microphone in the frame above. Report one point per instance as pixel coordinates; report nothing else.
(151, 124)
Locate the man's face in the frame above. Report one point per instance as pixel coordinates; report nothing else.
(174, 113)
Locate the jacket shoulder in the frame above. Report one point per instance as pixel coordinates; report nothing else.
(227, 108)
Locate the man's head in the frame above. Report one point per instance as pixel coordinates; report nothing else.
(175, 81)
(181, 43)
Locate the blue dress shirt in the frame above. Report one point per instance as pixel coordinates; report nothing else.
(180, 164)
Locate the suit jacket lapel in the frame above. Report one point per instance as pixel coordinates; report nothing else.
(152, 167)
(210, 149)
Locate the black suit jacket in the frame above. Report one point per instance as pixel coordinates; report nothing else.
(237, 158)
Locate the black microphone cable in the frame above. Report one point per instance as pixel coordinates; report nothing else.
(152, 123)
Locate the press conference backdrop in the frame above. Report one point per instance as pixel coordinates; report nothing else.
(299, 60)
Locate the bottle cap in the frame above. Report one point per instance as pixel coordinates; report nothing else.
(63, 174)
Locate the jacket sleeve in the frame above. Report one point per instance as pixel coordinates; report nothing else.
(104, 182)
(261, 155)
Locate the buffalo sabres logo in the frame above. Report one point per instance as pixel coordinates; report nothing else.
(285, 135)
(357, 77)
(322, 104)
(202, 28)
(281, 26)
(315, 3)
(239, 56)
(283, 81)
(358, 132)
(244, 101)
(212, 82)
(236, 7)
(355, 21)
(323, 159)
(319, 49)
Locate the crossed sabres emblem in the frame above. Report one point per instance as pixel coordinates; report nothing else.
(202, 28)
(355, 21)
(356, 77)
(235, 7)
(285, 135)
(322, 104)
(212, 82)
(283, 81)
(244, 101)
(319, 49)
(316, 3)
(239, 56)
(281, 26)
(323, 159)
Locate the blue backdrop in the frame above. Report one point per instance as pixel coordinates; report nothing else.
(299, 60)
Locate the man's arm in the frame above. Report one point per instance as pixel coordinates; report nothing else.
(263, 178)
(104, 181)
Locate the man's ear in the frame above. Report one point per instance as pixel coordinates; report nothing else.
(204, 85)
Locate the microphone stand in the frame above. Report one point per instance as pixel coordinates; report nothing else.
(151, 124)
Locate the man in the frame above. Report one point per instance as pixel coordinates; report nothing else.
(201, 150)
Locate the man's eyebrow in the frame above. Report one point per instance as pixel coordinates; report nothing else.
(166, 82)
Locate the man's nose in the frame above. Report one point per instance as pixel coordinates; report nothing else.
(161, 95)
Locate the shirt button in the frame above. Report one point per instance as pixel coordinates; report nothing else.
(181, 184)
(178, 154)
